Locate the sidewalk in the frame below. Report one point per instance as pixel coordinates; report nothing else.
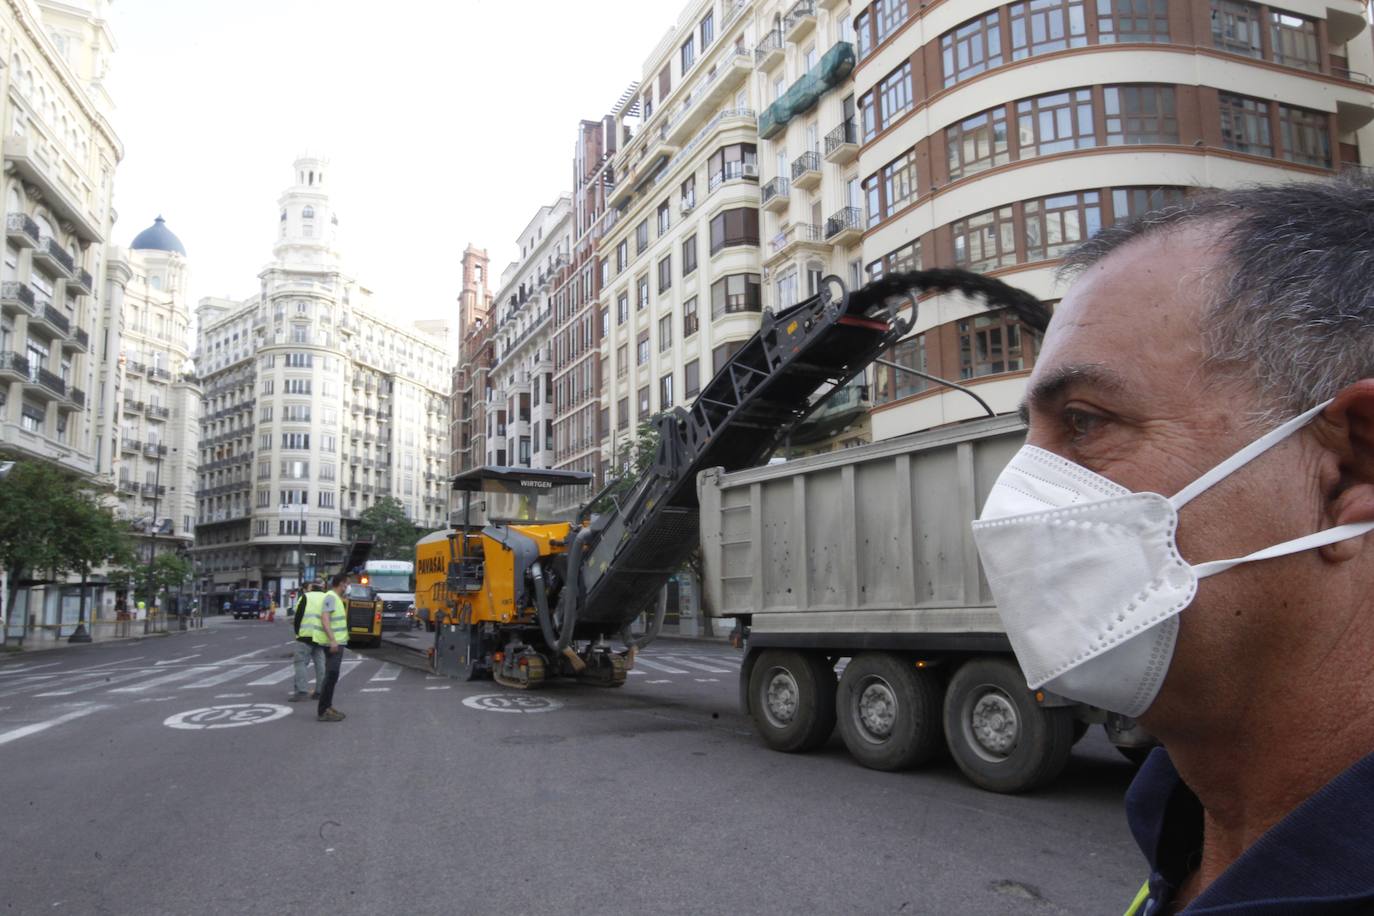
(105, 632)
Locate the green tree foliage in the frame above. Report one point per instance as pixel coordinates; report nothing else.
(393, 534)
(634, 458)
(51, 524)
(165, 575)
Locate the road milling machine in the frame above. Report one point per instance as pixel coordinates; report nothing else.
(522, 597)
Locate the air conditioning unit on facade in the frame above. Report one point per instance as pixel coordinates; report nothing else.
(751, 171)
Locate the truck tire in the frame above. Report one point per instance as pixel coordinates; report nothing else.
(998, 735)
(888, 711)
(792, 699)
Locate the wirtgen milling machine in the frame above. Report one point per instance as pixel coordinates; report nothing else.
(526, 598)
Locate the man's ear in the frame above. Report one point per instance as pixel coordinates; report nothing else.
(1350, 435)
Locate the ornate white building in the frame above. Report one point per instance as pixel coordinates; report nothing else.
(315, 408)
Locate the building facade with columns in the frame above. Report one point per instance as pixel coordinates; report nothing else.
(315, 409)
(996, 136)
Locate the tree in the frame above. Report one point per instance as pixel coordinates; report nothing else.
(52, 523)
(635, 457)
(165, 574)
(393, 533)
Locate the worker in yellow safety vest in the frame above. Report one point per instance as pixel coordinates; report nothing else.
(331, 631)
(307, 622)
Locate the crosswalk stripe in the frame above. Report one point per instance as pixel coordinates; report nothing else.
(173, 661)
(165, 679)
(276, 677)
(26, 730)
(224, 676)
(12, 669)
(732, 660)
(659, 666)
(348, 666)
(97, 684)
(678, 660)
(636, 671)
(388, 672)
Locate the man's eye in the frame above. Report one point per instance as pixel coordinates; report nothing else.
(1080, 423)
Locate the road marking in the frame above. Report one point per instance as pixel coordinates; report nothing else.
(511, 702)
(374, 690)
(707, 680)
(122, 661)
(13, 669)
(225, 676)
(173, 661)
(240, 637)
(348, 666)
(23, 732)
(276, 677)
(239, 658)
(636, 671)
(445, 687)
(233, 715)
(659, 682)
(699, 666)
(659, 666)
(201, 646)
(388, 672)
(436, 677)
(231, 696)
(117, 679)
(165, 679)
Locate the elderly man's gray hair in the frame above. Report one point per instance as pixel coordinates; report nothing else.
(1293, 308)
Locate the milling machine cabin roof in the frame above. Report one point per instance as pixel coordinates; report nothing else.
(517, 481)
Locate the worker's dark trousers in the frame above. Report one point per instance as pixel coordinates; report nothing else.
(332, 661)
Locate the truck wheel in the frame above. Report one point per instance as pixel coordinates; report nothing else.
(889, 712)
(999, 736)
(792, 699)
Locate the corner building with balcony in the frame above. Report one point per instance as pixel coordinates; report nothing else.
(520, 412)
(159, 407)
(995, 136)
(315, 409)
(680, 285)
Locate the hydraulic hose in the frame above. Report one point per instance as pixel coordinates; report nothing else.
(633, 644)
(571, 598)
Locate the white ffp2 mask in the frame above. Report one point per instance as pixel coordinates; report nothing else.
(1087, 575)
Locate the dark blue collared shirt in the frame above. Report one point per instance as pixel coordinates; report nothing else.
(1318, 859)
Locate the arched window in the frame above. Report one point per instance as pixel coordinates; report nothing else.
(308, 213)
(283, 216)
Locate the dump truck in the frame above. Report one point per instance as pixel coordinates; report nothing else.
(857, 591)
(527, 597)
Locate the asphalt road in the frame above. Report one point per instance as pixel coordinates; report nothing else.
(653, 798)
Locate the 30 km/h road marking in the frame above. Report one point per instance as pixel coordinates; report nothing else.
(233, 715)
(35, 728)
(504, 702)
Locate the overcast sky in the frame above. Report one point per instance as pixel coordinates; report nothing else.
(446, 122)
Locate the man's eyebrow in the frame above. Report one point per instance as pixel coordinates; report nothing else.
(1056, 382)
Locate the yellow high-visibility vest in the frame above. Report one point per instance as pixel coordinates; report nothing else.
(310, 619)
(338, 620)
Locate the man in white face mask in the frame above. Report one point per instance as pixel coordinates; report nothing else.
(1187, 537)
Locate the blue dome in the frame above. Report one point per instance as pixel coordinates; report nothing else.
(159, 238)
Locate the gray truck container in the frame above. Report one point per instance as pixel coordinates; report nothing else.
(863, 560)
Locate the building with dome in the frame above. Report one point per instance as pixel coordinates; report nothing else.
(159, 398)
(315, 408)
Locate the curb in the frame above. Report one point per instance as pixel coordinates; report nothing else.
(77, 646)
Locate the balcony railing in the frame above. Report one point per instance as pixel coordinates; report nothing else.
(14, 364)
(50, 381)
(77, 397)
(83, 340)
(154, 489)
(765, 50)
(17, 293)
(847, 134)
(22, 230)
(51, 250)
(849, 218)
(809, 161)
(130, 445)
(161, 413)
(57, 319)
(84, 281)
(794, 234)
(131, 404)
(153, 450)
(776, 190)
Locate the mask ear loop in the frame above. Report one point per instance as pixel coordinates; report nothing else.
(1243, 457)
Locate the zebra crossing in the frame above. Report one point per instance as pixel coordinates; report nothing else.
(138, 677)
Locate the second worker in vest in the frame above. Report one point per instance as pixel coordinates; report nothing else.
(309, 605)
(332, 632)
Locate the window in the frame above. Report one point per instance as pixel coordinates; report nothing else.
(1132, 20)
(689, 193)
(893, 384)
(708, 30)
(268, 386)
(299, 360)
(31, 418)
(664, 220)
(971, 48)
(1305, 136)
(622, 255)
(295, 470)
(868, 116)
(1294, 40)
(739, 226)
(297, 386)
(622, 308)
(295, 497)
(1140, 114)
(986, 240)
(894, 91)
(291, 526)
(605, 331)
(1042, 26)
(622, 414)
(721, 354)
(689, 53)
(899, 183)
(642, 349)
(265, 413)
(327, 470)
(690, 321)
(689, 255)
(891, 14)
(872, 201)
(1236, 27)
(299, 413)
(265, 441)
(994, 342)
(326, 529)
(863, 41)
(641, 237)
(665, 333)
(665, 392)
(641, 294)
(902, 260)
(1245, 124)
(264, 469)
(735, 293)
(1128, 203)
(264, 497)
(977, 143)
(730, 162)
(1056, 122)
(329, 443)
(604, 265)
(692, 379)
(665, 274)
(295, 440)
(1056, 224)
(622, 360)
